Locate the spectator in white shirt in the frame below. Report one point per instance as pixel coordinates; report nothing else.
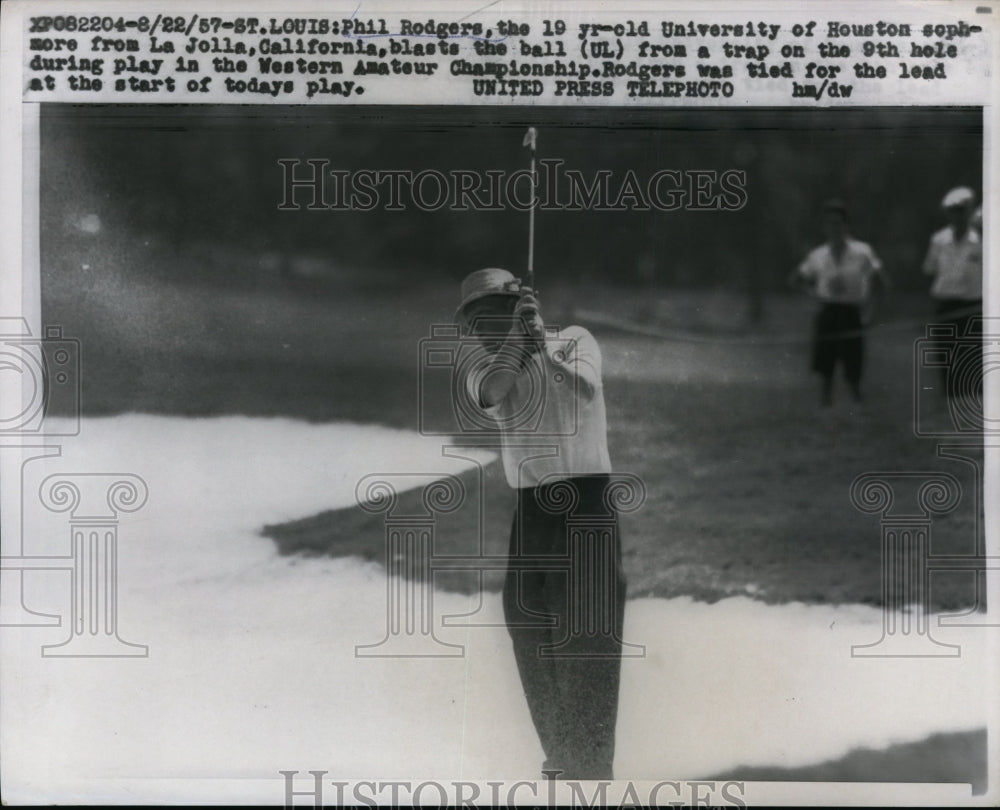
(955, 261)
(842, 273)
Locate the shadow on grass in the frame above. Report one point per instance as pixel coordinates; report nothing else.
(355, 532)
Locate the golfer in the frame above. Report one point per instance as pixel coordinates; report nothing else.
(544, 390)
(842, 273)
(955, 260)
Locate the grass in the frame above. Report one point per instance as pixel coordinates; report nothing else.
(958, 757)
(748, 478)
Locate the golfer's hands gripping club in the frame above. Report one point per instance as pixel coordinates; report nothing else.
(528, 314)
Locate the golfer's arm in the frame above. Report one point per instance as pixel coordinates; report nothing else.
(503, 370)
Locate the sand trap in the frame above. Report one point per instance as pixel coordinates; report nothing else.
(252, 669)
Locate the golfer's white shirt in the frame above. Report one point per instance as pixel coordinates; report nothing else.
(957, 266)
(553, 422)
(847, 281)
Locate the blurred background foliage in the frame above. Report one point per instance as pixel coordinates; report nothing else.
(195, 184)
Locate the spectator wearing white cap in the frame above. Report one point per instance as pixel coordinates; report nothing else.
(955, 261)
(842, 274)
(572, 695)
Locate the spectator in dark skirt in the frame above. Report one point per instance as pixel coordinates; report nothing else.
(842, 274)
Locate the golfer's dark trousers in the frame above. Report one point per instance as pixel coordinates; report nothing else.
(564, 600)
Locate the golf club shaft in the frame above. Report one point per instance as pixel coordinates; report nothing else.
(530, 139)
